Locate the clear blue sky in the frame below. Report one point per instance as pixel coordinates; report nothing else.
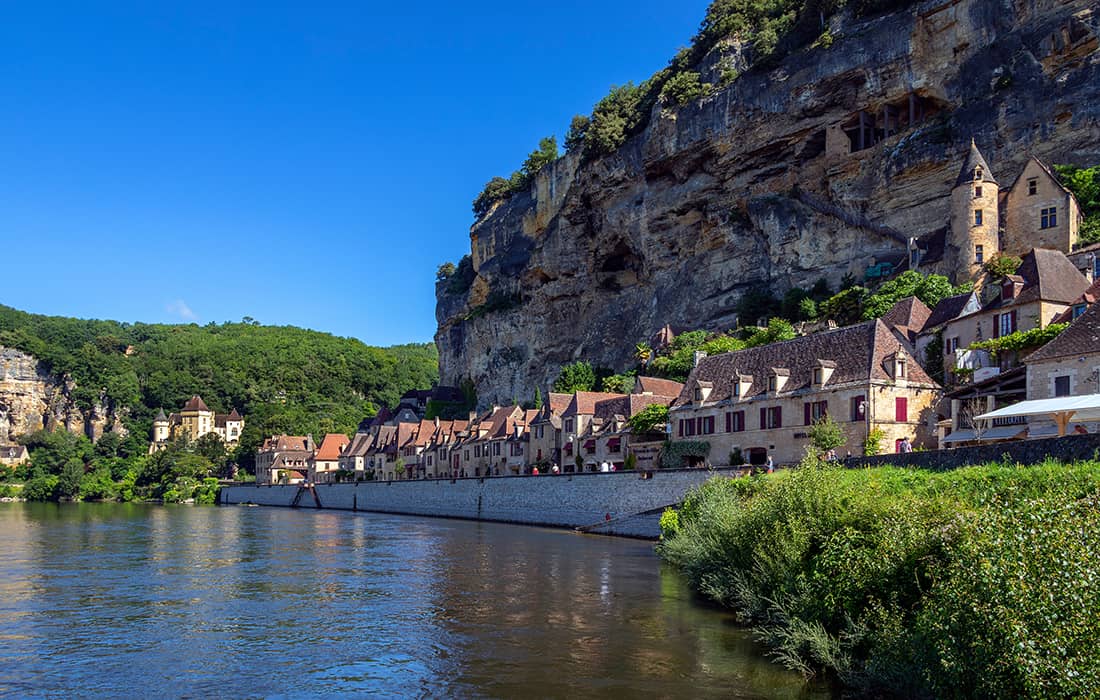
(307, 163)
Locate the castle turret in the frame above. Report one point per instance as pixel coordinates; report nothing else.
(974, 238)
(160, 427)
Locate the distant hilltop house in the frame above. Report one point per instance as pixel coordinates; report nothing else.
(194, 420)
(986, 220)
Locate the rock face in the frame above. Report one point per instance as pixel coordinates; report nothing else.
(817, 167)
(31, 399)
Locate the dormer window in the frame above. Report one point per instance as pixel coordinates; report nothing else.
(778, 379)
(901, 361)
(742, 385)
(823, 372)
(702, 391)
(978, 173)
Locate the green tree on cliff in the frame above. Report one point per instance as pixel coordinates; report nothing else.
(578, 376)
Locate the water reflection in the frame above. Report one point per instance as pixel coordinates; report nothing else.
(168, 601)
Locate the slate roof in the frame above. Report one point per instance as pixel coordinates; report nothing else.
(861, 354)
(908, 315)
(657, 386)
(161, 416)
(280, 443)
(195, 403)
(1081, 338)
(948, 310)
(1048, 276)
(973, 160)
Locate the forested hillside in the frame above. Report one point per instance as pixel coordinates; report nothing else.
(280, 377)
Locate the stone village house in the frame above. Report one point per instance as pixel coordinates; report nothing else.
(762, 401)
(284, 459)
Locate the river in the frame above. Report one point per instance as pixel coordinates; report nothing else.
(154, 601)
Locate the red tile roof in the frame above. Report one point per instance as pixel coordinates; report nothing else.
(331, 446)
(658, 386)
(195, 403)
(584, 402)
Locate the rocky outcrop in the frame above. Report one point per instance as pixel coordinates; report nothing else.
(31, 399)
(814, 168)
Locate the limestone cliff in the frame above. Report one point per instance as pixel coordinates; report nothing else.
(31, 398)
(815, 167)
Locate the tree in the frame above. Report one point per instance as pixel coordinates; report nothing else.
(578, 130)
(495, 189)
(683, 88)
(72, 474)
(538, 398)
(777, 330)
(826, 434)
(546, 153)
(1001, 266)
(618, 383)
(575, 377)
(643, 352)
(212, 447)
(399, 467)
(614, 118)
(872, 445)
(444, 272)
(651, 419)
(931, 289)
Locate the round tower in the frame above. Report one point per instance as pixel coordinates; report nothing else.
(975, 222)
(160, 427)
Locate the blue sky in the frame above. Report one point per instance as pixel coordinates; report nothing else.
(308, 164)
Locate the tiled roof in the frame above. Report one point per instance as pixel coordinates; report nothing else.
(657, 386)
(973, 160)
(195, 403)
(359, 446)
(948, 310)
(233, 415)
(1049, 276)
(1091, 295)
(331, 446)
(1081, 338)
(160, 416)
(280, 443)
(861, 353)
(908, 316)
(584, 402)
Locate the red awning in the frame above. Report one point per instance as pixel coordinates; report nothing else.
(589, 444)
(612, 443)
(568, 448)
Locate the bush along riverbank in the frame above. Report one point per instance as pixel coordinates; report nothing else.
(980, 582)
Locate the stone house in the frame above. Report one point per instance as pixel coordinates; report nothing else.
(948, 310)
(1069, 365)
(608, 437)
(13, 455)
(481, 452)
(284, 459)
(1045, 284)
(575, 420)
(1039, 212)
(324, 463)
(437, 456)
(546, 431)
(762, 401)
(193, 421)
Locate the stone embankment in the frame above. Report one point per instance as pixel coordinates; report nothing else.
(624, 503)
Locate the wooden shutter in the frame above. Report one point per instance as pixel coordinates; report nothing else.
(779, 416)
(996, 325)
(763, 418)
(729, 422)
(1013, 320)
(901, 409)
(806, 412)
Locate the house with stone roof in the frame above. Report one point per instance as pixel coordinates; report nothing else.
(608, 437)
(762, 401)
(546, 431)
(13, 455)
(575, 420)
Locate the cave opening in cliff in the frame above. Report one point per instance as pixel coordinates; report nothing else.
(865, 129)
(617, 267)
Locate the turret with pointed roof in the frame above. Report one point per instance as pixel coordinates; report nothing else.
(974, 236)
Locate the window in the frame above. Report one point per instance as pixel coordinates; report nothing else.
(1061, 385)
(687, 427)
(1007, 323)
(706, 425)
(736, 390)
(496, 449)
(1032, 186)
(698, 394)
(813, 411)
(979, 254)
(859, 408)
(735, 422)
(819, 376)
(1078, 310)
(978, 173)
(901, 368)
(901, 409)
(950, 346)
(569, 425)
(977, 191)
(771, 418)
(773, 382)
(977, 217)
(1048, 218)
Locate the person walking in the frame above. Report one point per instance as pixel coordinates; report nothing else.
(770, 465)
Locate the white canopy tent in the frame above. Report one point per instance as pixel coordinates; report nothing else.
(1061, 410)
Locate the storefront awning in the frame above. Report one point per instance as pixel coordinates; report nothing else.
(1061, 410)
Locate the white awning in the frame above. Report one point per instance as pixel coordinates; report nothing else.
(959, 436)
(1082, 408)
(1006, 432)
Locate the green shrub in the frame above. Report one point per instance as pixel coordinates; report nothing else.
(684, 87)
(651, 419)
(41, 488)
(872, 444)
(578, 376)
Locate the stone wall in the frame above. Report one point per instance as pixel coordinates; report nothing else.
(624, 503)
(1069, 448)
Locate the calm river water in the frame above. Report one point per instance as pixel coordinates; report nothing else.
(150, 601)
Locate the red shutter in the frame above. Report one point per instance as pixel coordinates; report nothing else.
(681, 427)
(1014, 320)
(779, 416)
(806, 412)
(996, 325)
(901, 409)
(763, 418)
(729, 422)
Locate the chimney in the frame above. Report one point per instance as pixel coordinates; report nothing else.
(437, 421)
(309, 441)
(699, 357)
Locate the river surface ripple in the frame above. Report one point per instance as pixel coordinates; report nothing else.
(110, 600)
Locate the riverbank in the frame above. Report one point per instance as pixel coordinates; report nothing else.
(627, 503)
(979, 582)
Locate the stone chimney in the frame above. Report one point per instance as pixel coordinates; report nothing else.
(699, 357)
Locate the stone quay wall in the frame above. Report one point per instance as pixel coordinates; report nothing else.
(626, 503)
(1067, 449)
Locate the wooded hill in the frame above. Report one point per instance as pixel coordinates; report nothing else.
(281, 378)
